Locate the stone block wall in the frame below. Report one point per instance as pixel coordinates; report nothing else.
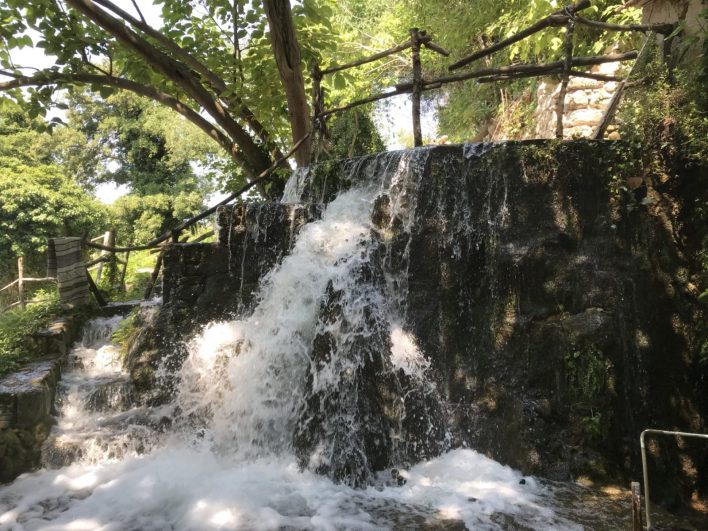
(585, 104)
(27, 399)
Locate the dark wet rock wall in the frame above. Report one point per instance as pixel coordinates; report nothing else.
(27, 399)
(556, 308)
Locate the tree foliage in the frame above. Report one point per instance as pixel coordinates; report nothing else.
(130, 140)
(211, 62)
(352, 134)
(462, 27)
(40, 202)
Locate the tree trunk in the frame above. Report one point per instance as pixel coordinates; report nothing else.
(287, 57)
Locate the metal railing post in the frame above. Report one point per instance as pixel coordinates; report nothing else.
(645, 479)
(645, 471)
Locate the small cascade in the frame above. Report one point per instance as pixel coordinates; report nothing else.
(96, 419)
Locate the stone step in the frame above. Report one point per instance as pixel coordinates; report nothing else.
(26, 399)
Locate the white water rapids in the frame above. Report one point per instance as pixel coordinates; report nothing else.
(227, 462)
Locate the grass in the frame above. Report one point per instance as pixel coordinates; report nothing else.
(17, 325)
(125, 333)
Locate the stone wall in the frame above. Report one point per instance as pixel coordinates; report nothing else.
(27, 396)
(27, 399)
(557, 313)
(585, 104)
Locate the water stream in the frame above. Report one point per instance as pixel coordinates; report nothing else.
(221, 456)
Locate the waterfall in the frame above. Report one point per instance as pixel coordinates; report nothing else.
(318, 388)
(324, 327)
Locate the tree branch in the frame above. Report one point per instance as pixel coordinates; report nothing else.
(177, 73)
(52, 78)
(214, 81)
(140, 14)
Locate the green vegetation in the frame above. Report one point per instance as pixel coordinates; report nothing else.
(464, 110)
(17, 325)
(666, 120)
(39, 197)
(126, 331)
(352, 134)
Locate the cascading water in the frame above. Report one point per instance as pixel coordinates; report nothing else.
(266, 400)
(97, 420)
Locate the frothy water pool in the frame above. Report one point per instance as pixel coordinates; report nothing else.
(178, 487)
(224, 459)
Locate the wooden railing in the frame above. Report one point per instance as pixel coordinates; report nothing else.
(566, 68)
(19, 284)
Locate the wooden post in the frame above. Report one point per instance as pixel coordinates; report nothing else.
(106, 240)
(560, 104)
(319, 122)
(636, 507)
(153, 277)
(417, 87)
(125, 268)
(317, 94)
(20, 280)
(112, 265)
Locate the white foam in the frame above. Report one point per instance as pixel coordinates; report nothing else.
(190, 489)
(405, 353)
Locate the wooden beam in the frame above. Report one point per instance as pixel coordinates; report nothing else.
(94, 290)
(557, 18)
(490, 74)
(593, 75)
(369, 59)
(539, 69)
(664, 29)
(9, 285)
(438, 49)
(264, 176)
(370, 99)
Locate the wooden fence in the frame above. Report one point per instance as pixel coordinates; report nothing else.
(566, 68)
(20, 285)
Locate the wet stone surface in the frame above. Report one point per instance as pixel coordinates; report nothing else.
(26, 399)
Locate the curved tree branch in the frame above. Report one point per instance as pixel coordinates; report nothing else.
(177, 73)
(49, 77)
(214, 81)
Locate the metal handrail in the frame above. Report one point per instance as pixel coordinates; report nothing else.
(645, 471)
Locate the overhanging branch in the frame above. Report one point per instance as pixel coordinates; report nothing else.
(49, 77)
(212, 79)
(177, 73)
